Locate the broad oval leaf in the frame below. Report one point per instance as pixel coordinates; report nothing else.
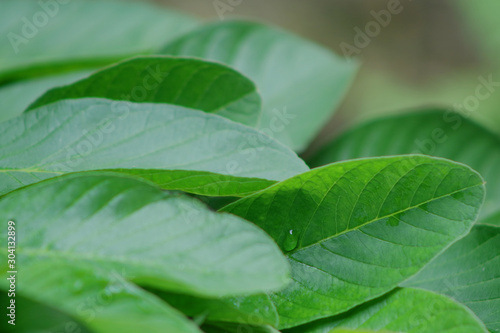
(293, 110)
(434, 132)
(31, 28)
(353, 231)
(16, 97)
(150, 236)
(92, 134)
(469, 272)
(192, 83)
(402, 311)
(104, 302)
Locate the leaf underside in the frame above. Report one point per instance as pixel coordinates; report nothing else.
(94, 134)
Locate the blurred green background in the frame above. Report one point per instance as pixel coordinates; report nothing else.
(433, 52)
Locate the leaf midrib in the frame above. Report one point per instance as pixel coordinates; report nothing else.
(381, 218)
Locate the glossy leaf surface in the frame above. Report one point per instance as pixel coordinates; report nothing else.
(434, 132)
(353, 231)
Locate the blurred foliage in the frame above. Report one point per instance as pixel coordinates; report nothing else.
(431, 54)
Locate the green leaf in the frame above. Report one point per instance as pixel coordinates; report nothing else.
(295, 109)
(200, 182)
(37, 33)
(16, 97)
(253, 310)
(192, 83)
(434, 132)
(469, 272)
(237, 328)
(353, 231)
(153, 237)
(404, 310)
(103, 301)
(92, 134)
(345, 330)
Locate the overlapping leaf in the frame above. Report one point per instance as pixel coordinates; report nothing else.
(435, 132)
(104, 302)
(192, 83)
(38, 33)
(469, 272)
(294, 109)
(355, 230)
(201, 182)
(405, 310)
(152, 237)
(92, 134)
(254, 310)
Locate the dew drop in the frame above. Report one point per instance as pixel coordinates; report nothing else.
(291, 241)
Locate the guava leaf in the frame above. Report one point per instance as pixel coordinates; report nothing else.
(200, 182)
(103, 301)
(404, 310)
(469, 272)
(249, 310)
(353, 231)
(192, 83)
(151, 237)
(294, 110)
(92, 134)
(237, 328)
(345, 330)
(37, 34)
(434, 132)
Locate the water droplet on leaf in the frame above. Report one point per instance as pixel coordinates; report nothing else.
(291, 241)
